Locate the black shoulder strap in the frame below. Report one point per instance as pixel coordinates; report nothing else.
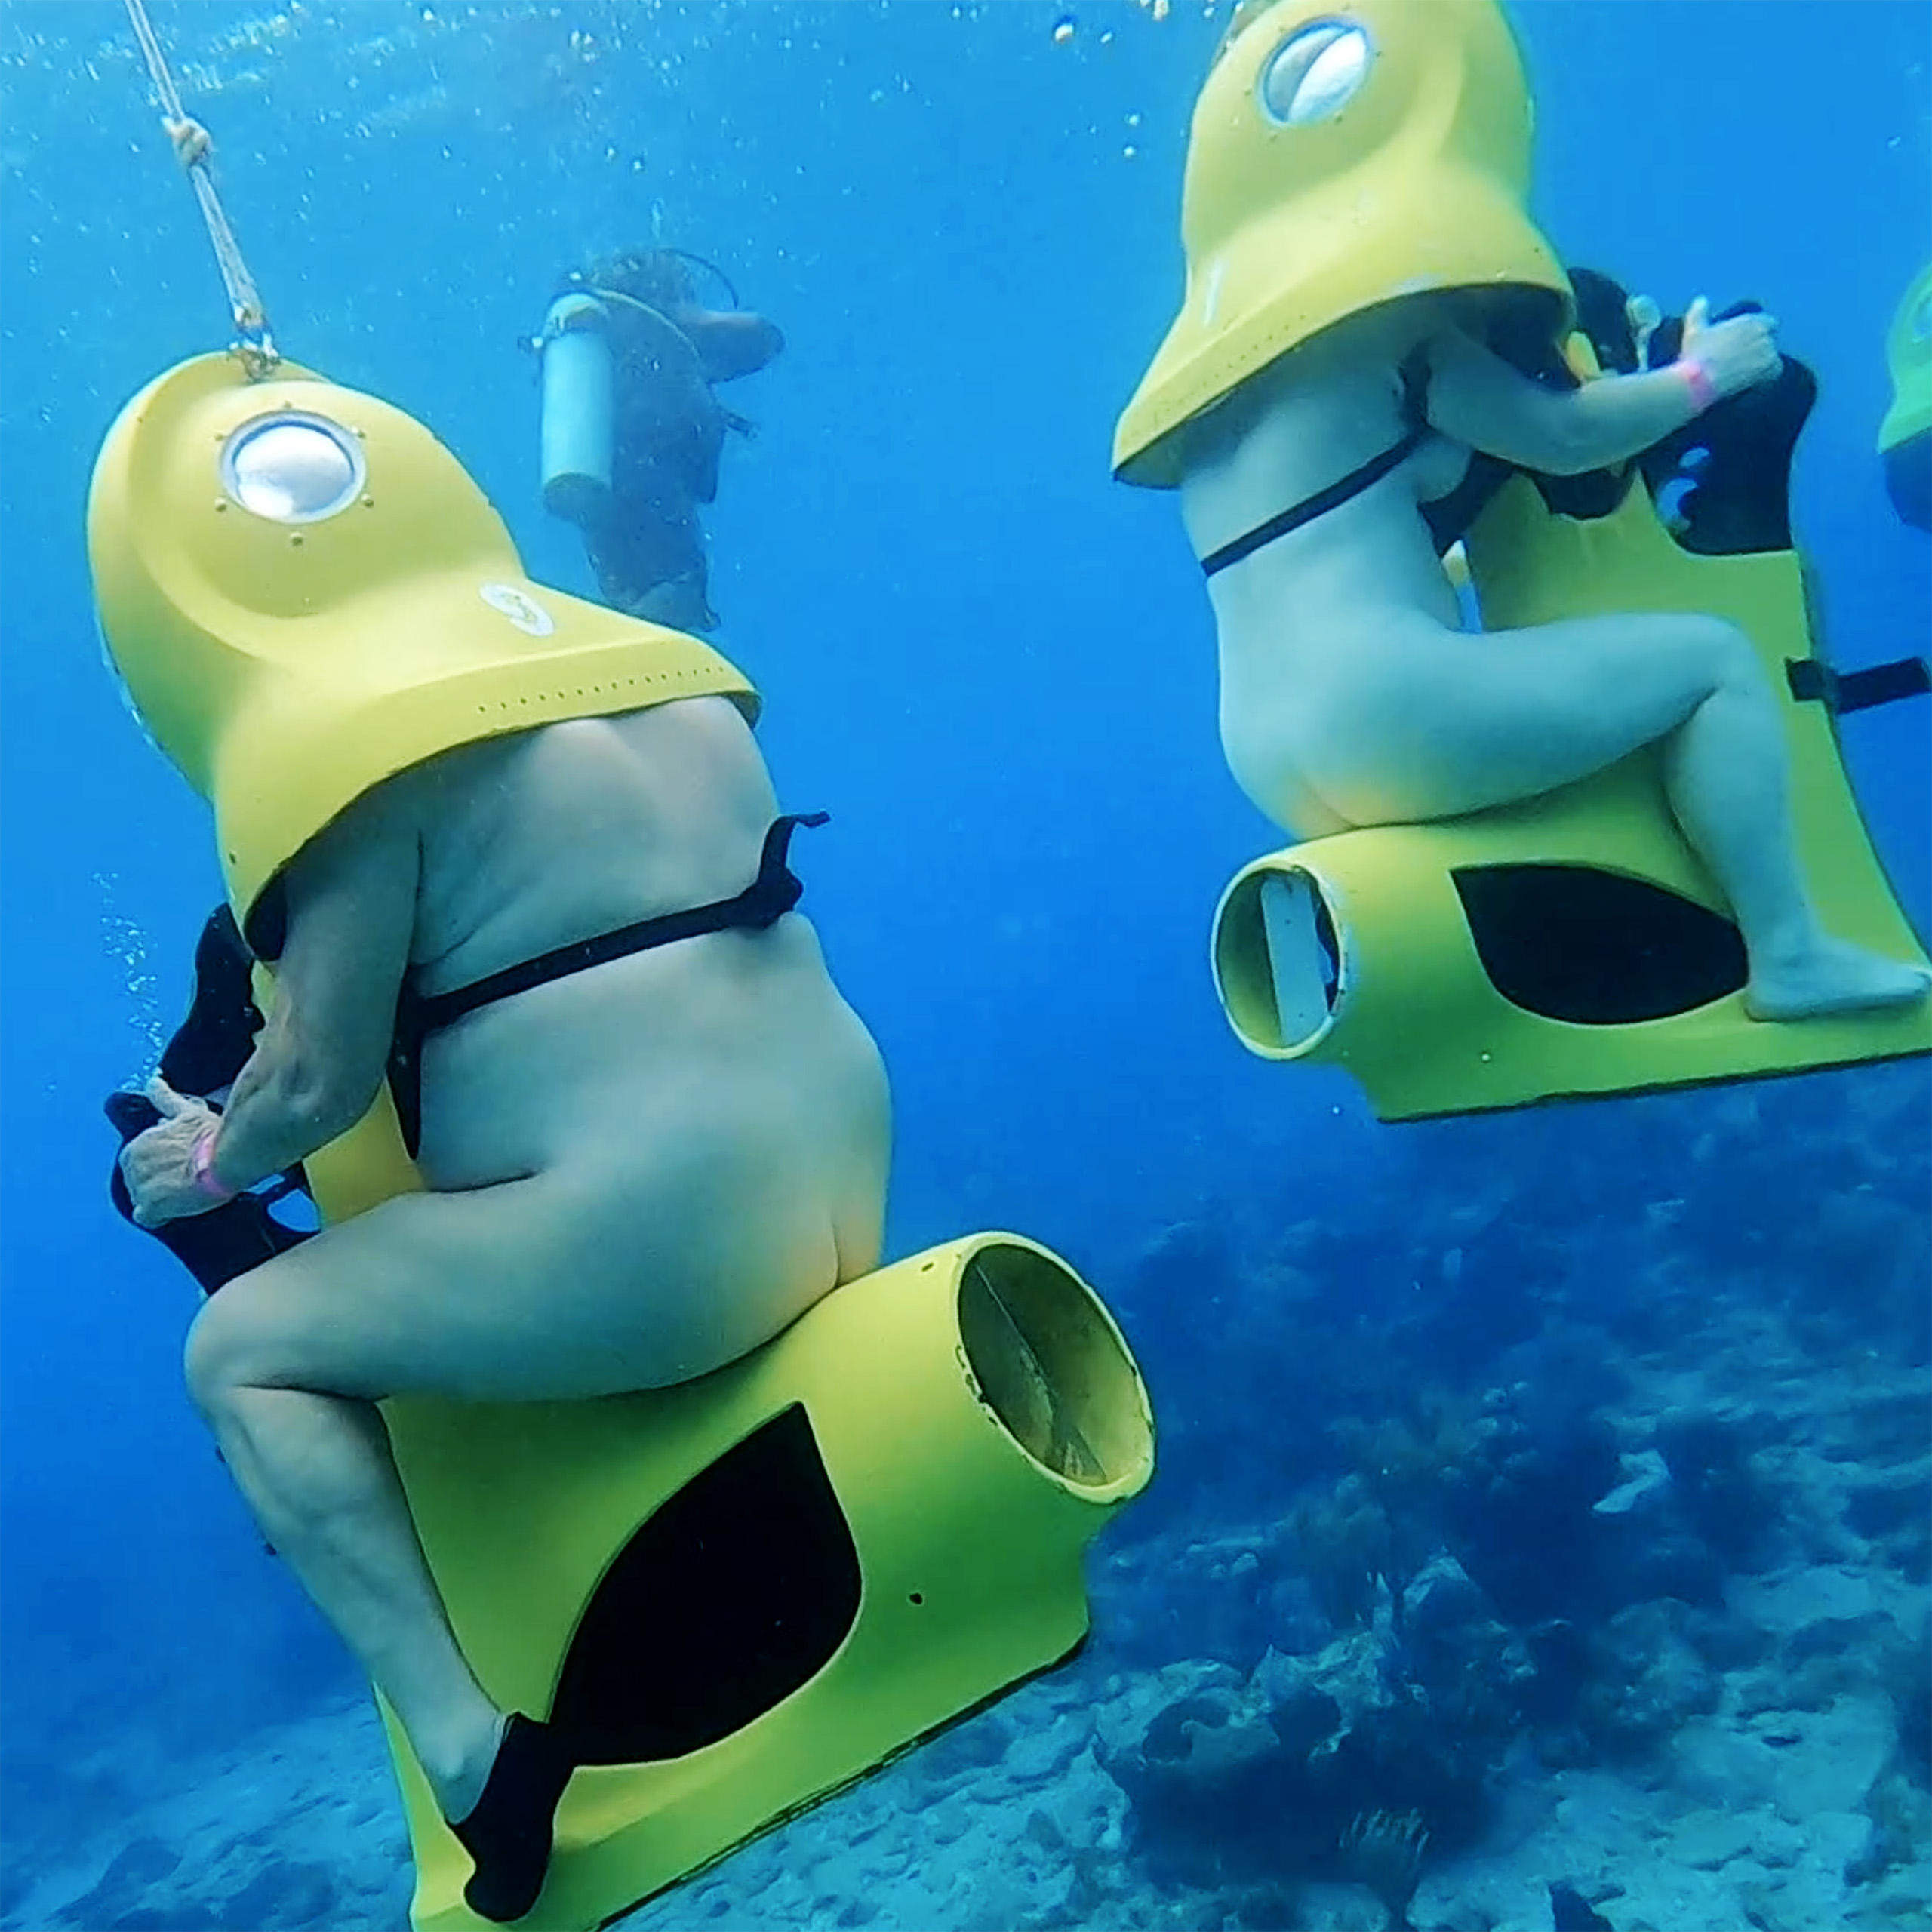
(1350, 487)
(772, 894)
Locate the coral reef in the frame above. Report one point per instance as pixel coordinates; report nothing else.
(1271, 1776)
(1671, 1524)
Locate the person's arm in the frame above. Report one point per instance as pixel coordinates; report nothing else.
(321, 1057)
(1477, 398)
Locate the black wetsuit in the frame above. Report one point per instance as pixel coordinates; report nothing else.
(214, 1044)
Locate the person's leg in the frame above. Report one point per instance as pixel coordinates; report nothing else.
(316, 1471)
(435, 1293)
(649, 556)
(1458, 724)
(679, 603)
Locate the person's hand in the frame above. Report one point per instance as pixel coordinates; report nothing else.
(1736, 355)
(159, 1165)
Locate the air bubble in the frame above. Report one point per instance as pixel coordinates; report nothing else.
(1065, 28)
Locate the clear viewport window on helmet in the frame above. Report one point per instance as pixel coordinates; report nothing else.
(1313, 74)
(293, 468)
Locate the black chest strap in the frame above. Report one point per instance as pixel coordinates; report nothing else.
(774, 892)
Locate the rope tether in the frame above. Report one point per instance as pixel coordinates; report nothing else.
(253, 345)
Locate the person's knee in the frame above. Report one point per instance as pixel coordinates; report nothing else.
(204, 1367)
(1731, 657)
(223, 1354)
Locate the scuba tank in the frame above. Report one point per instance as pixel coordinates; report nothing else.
(579, 393)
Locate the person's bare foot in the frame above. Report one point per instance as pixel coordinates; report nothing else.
(1829, 976)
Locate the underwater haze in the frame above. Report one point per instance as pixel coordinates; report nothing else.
(1399, 1371)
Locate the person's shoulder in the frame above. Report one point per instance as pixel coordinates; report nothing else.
(395, 810)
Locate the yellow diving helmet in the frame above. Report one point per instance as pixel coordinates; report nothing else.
(1905, 436)
(305, 593)
(1344, 153)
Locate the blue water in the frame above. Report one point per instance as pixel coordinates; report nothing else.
(993, 665)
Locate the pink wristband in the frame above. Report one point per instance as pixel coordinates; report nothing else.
(1697, 380)
(201, 1164)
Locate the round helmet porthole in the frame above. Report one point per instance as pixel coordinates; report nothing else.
(293, 468)
(1313, 74)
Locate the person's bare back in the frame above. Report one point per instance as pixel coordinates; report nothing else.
(714, 1113)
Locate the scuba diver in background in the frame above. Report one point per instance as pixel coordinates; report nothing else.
(632, 431)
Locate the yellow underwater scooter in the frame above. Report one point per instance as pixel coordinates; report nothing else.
(733, 1597)
(1343, 156)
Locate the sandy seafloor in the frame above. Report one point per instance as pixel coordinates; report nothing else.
(1753, 1826)
(1784, 1808)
